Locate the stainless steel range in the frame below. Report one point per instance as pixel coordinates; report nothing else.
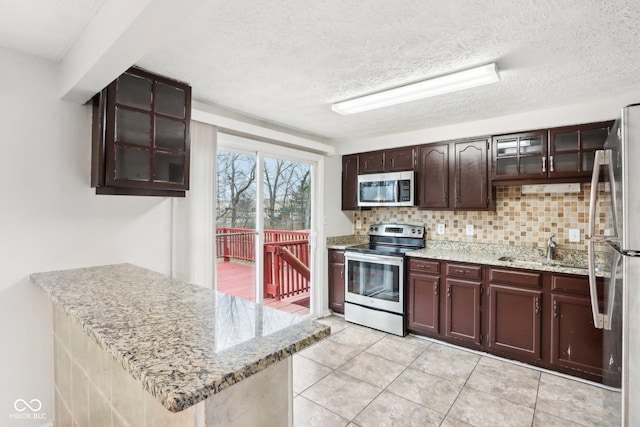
(374, 279)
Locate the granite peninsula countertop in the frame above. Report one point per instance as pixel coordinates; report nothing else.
(568, 261)
(182, 341)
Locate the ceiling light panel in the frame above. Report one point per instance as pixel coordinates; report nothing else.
(454, 82)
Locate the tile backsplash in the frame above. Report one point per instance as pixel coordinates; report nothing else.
(519, 219)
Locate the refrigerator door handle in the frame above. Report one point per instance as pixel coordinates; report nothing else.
(602, 158)
(598, 161)
(614, 244)
(611, 294)
(598, 318)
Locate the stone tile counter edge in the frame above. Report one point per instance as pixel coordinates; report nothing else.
(182, 342)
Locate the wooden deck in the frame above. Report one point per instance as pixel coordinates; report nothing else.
(238, 279)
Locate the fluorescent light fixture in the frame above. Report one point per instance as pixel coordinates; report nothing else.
(466, 79)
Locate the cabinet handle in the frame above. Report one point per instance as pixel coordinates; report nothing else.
(435, 289)
(449, 291)
(550, 163)
(463, 272)
(544, 164)
(555, 309)
(537, 305)
(342, 274)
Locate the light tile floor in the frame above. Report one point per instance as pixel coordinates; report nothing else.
(363, 377)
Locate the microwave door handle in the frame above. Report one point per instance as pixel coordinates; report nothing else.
(397, 198)
(598, 318)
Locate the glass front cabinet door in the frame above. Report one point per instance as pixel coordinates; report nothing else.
(141, 136)
(519, 156)
(572, 149)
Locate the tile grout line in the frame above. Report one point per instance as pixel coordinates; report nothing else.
(383, 388)
(430, 342)
(460, 392)
(334, 370)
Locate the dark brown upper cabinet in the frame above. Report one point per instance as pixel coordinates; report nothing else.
(393, 160)
(471, 175)
(572, 149)
(454, 176)
(551, 155)
(520, 156)
(350, 182)
(141, 136)
(398, 159)
(372, 162)
(433, 176)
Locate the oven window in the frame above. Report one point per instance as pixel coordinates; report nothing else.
(369, 279)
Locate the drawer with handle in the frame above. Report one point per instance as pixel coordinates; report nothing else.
(420, 265)
(467, 271)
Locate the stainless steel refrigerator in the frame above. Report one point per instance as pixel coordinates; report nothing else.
(614, 247)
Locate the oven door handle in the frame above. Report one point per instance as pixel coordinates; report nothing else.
(374, 258)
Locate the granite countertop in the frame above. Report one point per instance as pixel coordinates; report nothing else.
(342, 242)
(182, 341)
(567, 261)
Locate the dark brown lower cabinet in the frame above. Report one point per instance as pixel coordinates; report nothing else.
(423, 296)
(424, 310)
(515, 321)
(514, 318)
(577, 346)
(336, 280)
(462, 312)
(575, 342)
(536, 317)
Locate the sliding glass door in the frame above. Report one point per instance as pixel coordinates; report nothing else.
(236, 196)
(264, 228)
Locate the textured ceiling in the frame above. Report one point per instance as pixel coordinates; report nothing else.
(44, 28)
(287, 61)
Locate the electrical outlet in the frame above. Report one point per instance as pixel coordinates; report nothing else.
(358, 224)
(574, 235)
(440, 229)
(608, 232)
(470, 230)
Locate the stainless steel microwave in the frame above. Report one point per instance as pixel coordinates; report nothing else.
(386, 189)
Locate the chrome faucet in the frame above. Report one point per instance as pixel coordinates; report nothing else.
(551, 248)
